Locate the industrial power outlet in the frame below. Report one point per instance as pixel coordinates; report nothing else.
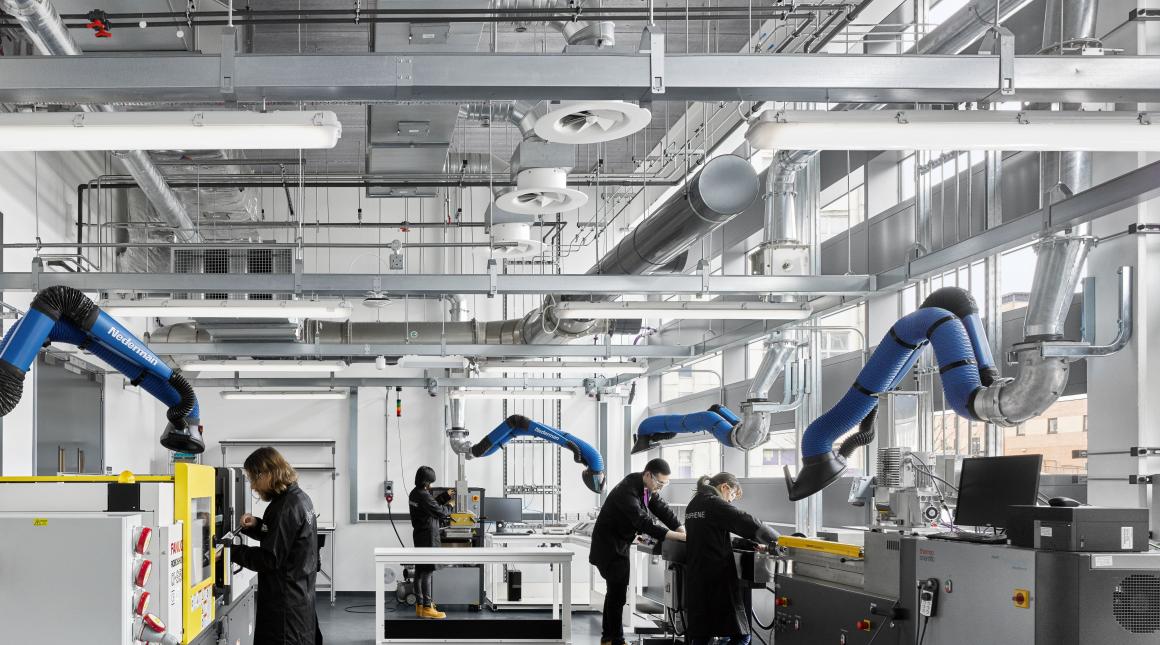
(396, 262)
(389, 490)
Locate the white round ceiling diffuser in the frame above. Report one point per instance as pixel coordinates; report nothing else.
(512, 240)
(581, 122)
(541, 191)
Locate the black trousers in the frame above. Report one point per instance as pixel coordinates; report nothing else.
(425, 584)
(615, 574)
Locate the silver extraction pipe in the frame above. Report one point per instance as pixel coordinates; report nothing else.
(754, 427)
(576, 32)
(1060, 257)
(1041, 379)
(457, 408)
(1068, 26)
(44, 27)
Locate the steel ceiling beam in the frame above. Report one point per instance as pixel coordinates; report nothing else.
(152, 78)
(338, 350)
(397, 381)
(358, 284)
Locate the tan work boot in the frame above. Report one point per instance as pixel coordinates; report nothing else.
(431, 612)
(418, 610)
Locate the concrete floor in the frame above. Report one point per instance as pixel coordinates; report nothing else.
(342, 626)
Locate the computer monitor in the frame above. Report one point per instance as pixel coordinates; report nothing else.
(503, 509)
(989, 485)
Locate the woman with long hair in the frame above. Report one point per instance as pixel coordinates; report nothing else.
(286, 558)
(714, 602)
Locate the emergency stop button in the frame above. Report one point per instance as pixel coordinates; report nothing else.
(863, 625)
(1021, 598)
(783, 601)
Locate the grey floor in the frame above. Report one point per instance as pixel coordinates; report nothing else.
(342, 626)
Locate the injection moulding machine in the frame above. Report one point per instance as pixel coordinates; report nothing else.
(117, 560)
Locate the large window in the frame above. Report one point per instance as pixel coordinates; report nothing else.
(698, 376)
(842, 332)
(691, 460)
(768, 459)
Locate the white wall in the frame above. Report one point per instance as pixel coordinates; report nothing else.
(38, 198)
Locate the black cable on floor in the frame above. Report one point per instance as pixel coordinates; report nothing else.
(352, 607)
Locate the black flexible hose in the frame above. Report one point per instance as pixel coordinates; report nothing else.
(177, 413)
(862, 437)
(61, 302)
(11, 387)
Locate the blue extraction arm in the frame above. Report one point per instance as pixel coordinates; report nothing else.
(718, 421)
(520, 426)
(949, 321)
(63, 314)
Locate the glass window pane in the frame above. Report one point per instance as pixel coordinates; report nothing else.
(767, 459)
(698, 376)
(691, 460)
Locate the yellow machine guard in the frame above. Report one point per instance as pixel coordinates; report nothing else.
(851, 551)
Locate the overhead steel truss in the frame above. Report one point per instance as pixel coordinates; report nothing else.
(338, 350)
(401, 284)
(154, 78)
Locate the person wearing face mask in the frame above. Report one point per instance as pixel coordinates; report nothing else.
(628, 511)
(714, 604)
(286, 558)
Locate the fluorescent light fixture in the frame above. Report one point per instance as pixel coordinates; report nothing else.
(451, 362)
(275, 309)
(1034, 130)
(264, 366)
(263, 395)
(682, 310)
(541, 395)
(572, 367)
(210, 130)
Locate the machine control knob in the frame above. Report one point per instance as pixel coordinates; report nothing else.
(863, 625)
(140, 602)
(141, 540)
(144, 569)
(1021, 598)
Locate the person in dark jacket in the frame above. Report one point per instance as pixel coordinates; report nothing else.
(626, 513)
(428, 513)
(286, 558)
(714, 604)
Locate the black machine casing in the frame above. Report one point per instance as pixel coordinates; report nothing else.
(231, 502)
(1078, 529)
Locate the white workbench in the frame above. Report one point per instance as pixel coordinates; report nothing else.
(561, 610)
(585, 596)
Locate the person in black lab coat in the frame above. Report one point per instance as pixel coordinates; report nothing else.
(714, 604)
(624, 515)
(286, 558)
(428, 513)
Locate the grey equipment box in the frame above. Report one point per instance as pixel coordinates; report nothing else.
(1079, 528)
(1003, 594)
(1097, 598)
(814, 612)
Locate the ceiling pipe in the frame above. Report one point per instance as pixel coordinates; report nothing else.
(753, 430)
(575, 32)
(44, 27)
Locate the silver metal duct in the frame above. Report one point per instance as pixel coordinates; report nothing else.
(575, 32)
(1068, 27)
(782, 222)
(47, 31)
(966, 26)
(1057, 271)
(754, 427)
(521, 114)
(725, 186)
(457, 408)
(1041, 379)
